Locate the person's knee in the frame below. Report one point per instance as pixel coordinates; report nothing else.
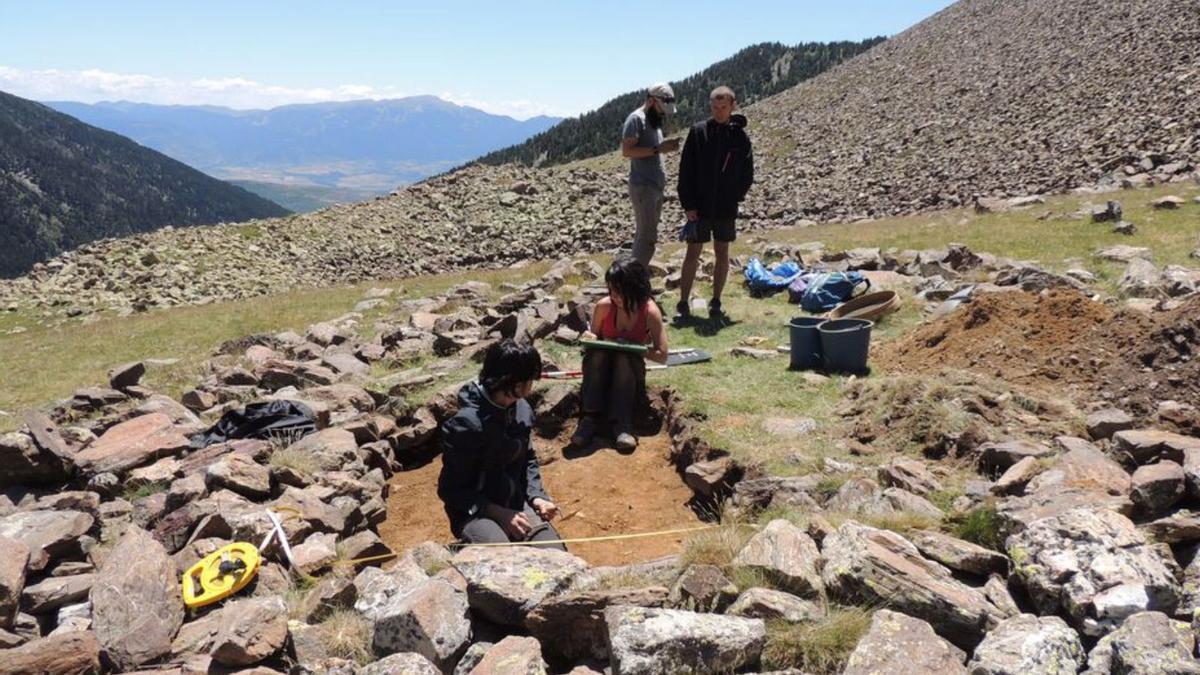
(483, 531)
(549, 534)
(721, 249)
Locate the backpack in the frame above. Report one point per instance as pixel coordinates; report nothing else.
(823, 292)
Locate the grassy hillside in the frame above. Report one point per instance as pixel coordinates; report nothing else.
(83, 352)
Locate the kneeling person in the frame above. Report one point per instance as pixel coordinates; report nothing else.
(613, 380)
(491, 483)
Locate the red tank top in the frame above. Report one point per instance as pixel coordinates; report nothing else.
(639, 334)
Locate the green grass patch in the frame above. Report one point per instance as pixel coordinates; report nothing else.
(718, 546)
(144, 490)
(1051, 233)
(83, 352)
(817, 647)
(980, 526)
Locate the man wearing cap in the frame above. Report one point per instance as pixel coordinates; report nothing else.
(642, 142)
(716, 170)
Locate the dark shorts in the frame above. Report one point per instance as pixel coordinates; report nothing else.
(721, 229)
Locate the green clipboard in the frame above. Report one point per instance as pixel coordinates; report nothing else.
(615, 346)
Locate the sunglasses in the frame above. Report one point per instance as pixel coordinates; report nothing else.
(666, 99)
(722, 97)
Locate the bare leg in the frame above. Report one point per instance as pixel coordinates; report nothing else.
(691, 262)
(721, 271)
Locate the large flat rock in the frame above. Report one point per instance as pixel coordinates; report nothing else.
(649, 641)
(137, 605)
(504, 584)
(47, 534)
(72, 653)
(879, 566)
(1094, 567)
(898, 643)
(131, 444)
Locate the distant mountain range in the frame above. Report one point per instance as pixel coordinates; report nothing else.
(366, 146)
(64, 183)
(754, 73)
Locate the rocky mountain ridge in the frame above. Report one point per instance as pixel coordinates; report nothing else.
(983, 100)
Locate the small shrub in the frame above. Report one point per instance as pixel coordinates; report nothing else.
(345, 634)
(135, 492)
(828, 486)
(817, 647)
(718, 546)
(296, 460)
(980, 526)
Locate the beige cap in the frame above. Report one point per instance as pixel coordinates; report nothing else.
(663, 92)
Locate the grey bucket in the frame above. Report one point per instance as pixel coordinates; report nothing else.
(806, 342)
(844, 343)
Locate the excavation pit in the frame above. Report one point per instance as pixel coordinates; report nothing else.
(600, 492)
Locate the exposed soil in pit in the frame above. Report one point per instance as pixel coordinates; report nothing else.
(599, 492)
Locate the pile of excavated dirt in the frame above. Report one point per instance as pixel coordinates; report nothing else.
(600, 492)
(1065, 342)
(1022, 338)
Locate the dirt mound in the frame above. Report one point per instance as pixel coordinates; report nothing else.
(600, 493)
(1063, 341)
(1021, 338)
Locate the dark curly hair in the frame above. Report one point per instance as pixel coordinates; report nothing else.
(507, 364)
(630, 279)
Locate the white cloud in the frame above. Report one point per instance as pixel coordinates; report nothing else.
(92, 85)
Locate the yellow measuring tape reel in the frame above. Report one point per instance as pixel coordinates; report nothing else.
(220, 574)
(230, 568)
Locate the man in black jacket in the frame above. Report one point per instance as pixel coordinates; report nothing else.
(715, 173)
(491, 483)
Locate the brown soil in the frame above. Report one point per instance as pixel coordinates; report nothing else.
(1062, 341)
(601, 493)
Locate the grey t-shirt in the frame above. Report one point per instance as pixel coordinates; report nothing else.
(645, 170)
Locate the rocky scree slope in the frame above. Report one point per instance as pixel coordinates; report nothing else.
(104, 504)
(64, 183)
(984, 99)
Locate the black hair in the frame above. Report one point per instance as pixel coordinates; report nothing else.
(631, 280)
(654, 119)
(507, 364)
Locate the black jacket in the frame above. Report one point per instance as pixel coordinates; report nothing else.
(487, 457)
(716, 169)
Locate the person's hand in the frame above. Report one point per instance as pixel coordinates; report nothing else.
(545, 508)
(515, 524)
(693, 215)
(669, 145)
(587, 335)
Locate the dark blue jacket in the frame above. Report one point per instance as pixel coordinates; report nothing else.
(487, 458)
(716, 168)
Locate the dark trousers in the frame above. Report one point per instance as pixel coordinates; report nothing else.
(612, 381)
(488, 531)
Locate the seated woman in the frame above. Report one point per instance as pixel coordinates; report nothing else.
(490, 482)
(614, 380)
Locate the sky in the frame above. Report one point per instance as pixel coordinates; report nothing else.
(512, 57)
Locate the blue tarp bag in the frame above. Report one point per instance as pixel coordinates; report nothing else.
(763, 281)
(823, 292)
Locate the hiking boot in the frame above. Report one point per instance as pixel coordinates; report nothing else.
(626, 441)
(683, 311)
(584, 432)
(714, 309)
